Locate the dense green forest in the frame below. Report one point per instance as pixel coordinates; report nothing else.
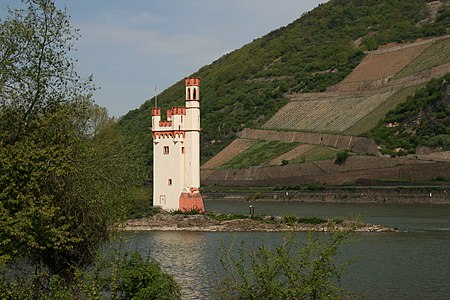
(247, 86)
(423, 119)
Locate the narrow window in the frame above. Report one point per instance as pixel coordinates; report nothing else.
(182, 150)
(166, 150)
(170, 182)
(195, 94)
(188, 94)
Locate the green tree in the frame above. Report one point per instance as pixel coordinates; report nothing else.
(36, 72)
(290, 271)
(65, 170)
(341, 157)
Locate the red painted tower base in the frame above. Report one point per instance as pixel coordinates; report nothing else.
(191, 201)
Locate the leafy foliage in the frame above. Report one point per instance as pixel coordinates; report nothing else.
(128, 276)
(341, 157)
(246, 87)
(290, 271)
(422, 120)
(117, 276)
(36, 74)
(66, 170)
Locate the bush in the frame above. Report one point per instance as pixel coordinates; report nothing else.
(290, 271)
(312, 220)
(118, 276)
(144, 279)
(290, 220)
(341, 157)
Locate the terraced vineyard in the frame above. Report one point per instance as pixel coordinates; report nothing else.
(259, 153)
(316, 153)
(437, 54)
(292, 155)
(235, 148)
(325, 112)
(305, 153)
(371, 119)
(373, 71)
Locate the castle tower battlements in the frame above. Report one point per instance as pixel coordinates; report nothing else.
(176, 153)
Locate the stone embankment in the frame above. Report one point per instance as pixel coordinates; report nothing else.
(181, 222)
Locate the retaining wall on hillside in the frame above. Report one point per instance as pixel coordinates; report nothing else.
(354, 170)
(344, 142)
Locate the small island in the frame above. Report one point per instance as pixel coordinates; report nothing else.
(216, 222)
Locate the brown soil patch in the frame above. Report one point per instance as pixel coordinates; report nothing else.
(437, 156)
(236, 147)
(375, 67)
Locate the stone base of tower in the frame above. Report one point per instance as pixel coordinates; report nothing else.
(191, 201)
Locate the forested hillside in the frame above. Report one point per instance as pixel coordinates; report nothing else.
(246, 87)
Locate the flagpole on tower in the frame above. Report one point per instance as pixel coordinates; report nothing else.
(156, 98)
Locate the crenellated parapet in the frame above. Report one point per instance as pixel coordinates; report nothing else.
(165, 123)
(177, 111)
(156, 111)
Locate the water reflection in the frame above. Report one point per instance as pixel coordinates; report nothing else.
(180, 254)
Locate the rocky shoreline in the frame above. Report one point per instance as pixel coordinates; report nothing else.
(201, 222)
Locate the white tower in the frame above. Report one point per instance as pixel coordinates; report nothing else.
(176, 154)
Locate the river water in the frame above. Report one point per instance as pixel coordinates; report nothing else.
(411, 264)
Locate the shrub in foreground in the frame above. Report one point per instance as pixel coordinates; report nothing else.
(290, 271)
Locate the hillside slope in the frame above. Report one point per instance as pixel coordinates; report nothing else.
(246, 87)
(383, 80)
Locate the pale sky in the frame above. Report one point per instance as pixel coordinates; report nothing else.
(131, 46)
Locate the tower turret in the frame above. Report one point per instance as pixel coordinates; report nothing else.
(191, 197)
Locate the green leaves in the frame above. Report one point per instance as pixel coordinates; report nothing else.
(290, 271)
(36, 73)
(65, 170)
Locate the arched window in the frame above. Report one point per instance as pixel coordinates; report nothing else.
(195, 95)
(188, 94)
